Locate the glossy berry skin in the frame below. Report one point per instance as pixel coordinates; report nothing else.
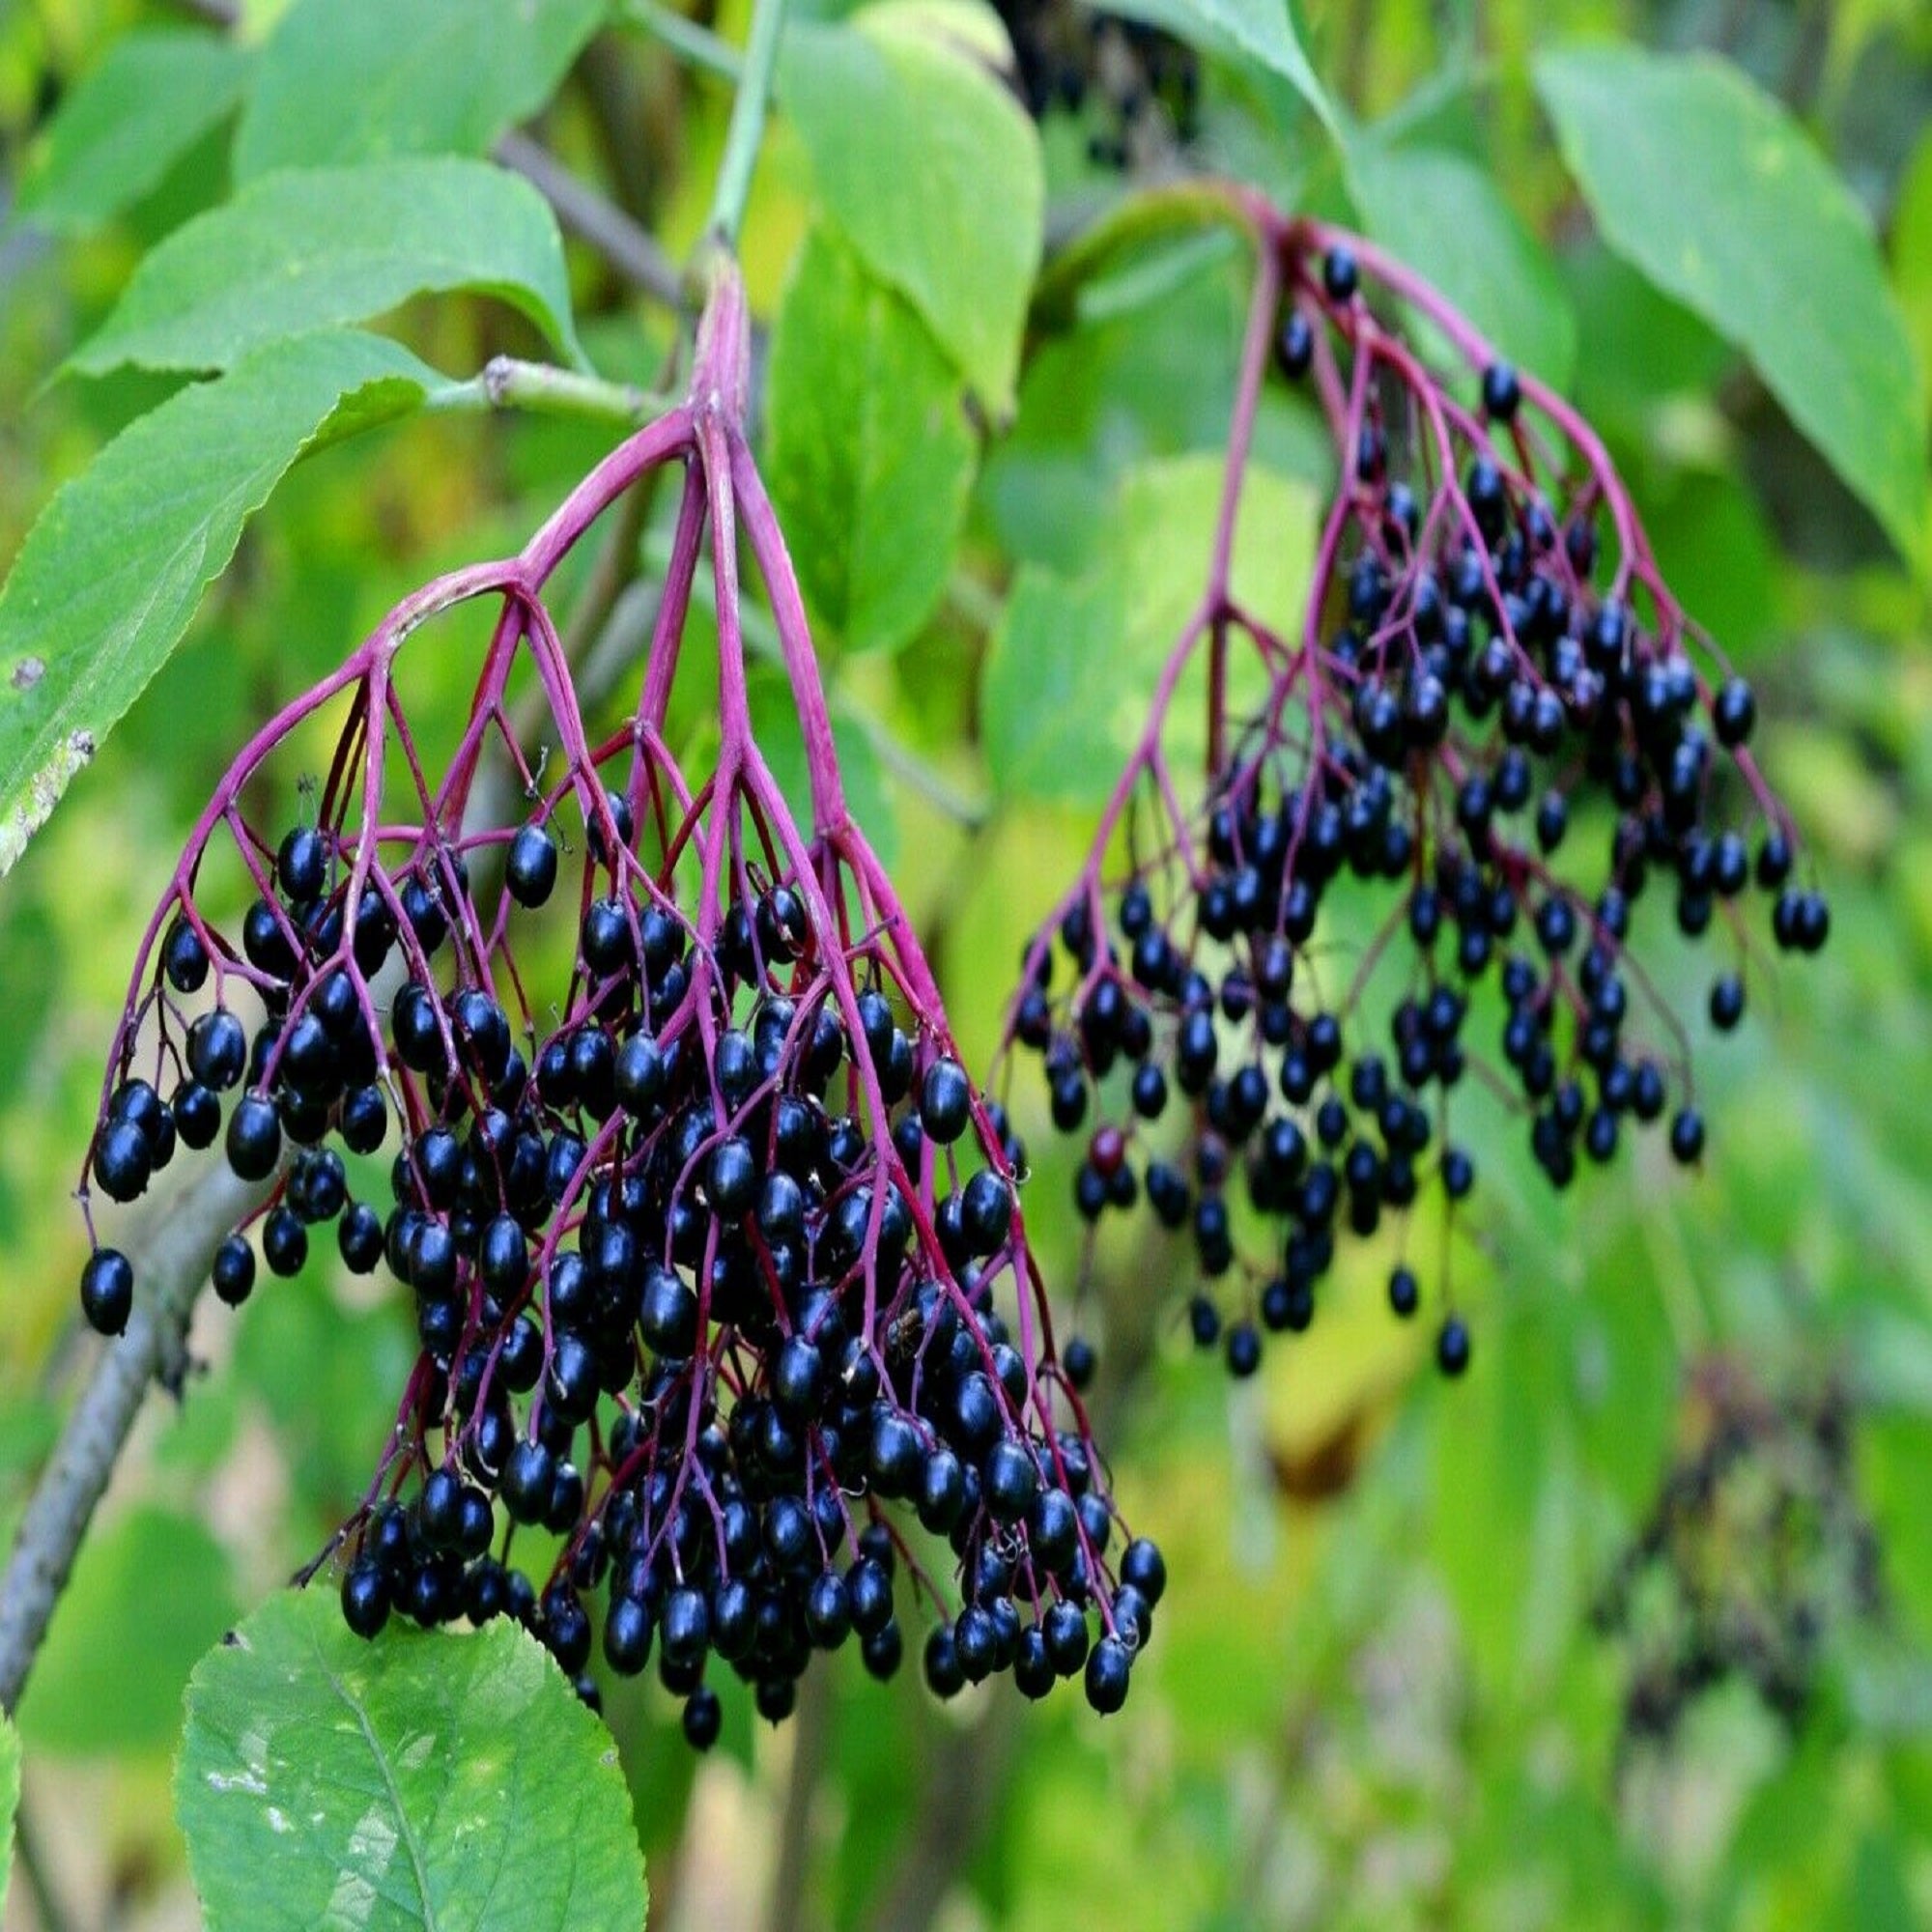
(945, 1101)
(197, 1115)
(1107, 1668)
(1294, 346)
(217, 1050)
(107, 1291)
(284, 1243)
(234, 1270)
(122, 1160)
(668, 1314)
(1245, 1350)
(358, 1237)
(703, 1718)
(1143, 1569)
(1452, 1346)
(1404, 1292)
(530, 869)
(1728, 1002)
(366, 1599)
(184, 959)
(1502, 393)
(254, 1138)
(1734, 712)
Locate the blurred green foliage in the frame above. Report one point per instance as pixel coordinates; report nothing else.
(1381, 1698)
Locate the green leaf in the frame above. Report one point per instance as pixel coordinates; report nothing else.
(149, 1593)
(913, 141)
(9, 1800)
(314, 248)
(109, 575)
(1072, 666)
(144, 103)
(1443, 215)
(425, 1780)
(355, 80)
(1242, 30)
(871, 458)
(1912, 248)
(1711, 189)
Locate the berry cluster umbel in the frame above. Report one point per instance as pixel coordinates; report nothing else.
(716, 1252)
(1491, 737)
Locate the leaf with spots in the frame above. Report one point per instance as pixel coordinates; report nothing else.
(109, 577)
(423, 1782)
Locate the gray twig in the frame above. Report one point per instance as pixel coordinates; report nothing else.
(169, 1272)
(629, 249)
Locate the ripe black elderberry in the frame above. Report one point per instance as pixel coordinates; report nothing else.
(1489, 733)
(714, 1249)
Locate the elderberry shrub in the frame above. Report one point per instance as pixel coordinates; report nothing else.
(1487, 748)
(715, 1247)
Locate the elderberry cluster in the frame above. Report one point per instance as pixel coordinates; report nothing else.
(724, 1304)
(1470, 764)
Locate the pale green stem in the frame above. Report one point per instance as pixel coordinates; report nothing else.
(703, 50)
(506, 384)
(747, 130)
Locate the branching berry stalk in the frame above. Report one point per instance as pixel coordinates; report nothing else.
(1488, 652)
(719, 1274)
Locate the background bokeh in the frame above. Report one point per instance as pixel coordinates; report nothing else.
(1629, 1628)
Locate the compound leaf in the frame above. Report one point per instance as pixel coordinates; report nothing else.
(870, 456)
(931, 169)
(354, 80)
(112, 570)
(314, 248)
(139, 108)
(1710, 188)
(423, 1782)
